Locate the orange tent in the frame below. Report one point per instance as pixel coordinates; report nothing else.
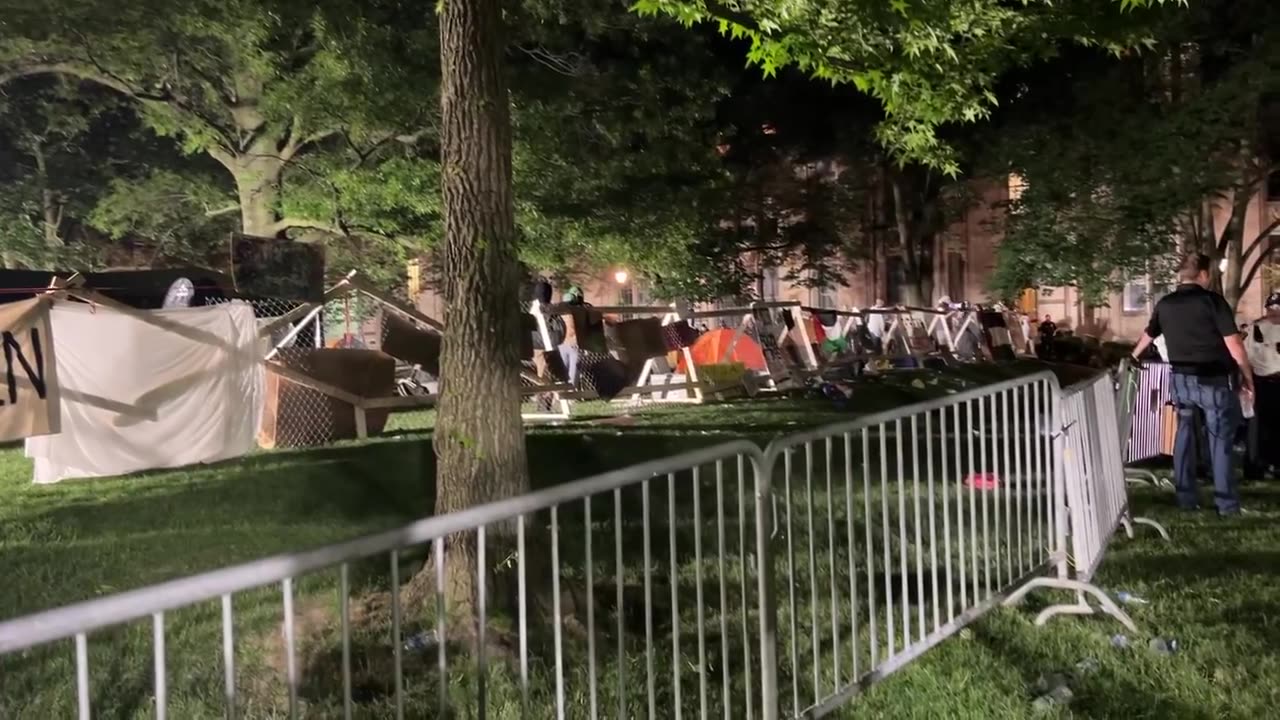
(710, 349)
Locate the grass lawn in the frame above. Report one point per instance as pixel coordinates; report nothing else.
(1213, 588)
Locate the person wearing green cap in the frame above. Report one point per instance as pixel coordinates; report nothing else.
(569, 348)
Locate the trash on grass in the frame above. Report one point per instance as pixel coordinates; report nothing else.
(1052, 690)
(1086, 666)
(1163, 646)
(1119, 641)
(422, 642)
(1127, 598)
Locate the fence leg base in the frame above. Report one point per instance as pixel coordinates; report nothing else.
(1139, 476)
(1152, 523)
(1105, 603)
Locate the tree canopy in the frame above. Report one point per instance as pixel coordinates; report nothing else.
(930, 63)
(1127, 161)
(320, 122)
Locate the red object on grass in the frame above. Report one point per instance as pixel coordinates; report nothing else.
(983, 481)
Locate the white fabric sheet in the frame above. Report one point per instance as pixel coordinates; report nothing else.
(1263, 345)
(151, 389)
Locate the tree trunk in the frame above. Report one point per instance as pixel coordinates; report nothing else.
(925, 247)
(258, 188)
(911, 294)
(1231, 247)
(479, 436)
(51, 210)
(916, 241)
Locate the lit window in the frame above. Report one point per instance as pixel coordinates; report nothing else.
(769, 284)
(1136, 294)
(827, 298)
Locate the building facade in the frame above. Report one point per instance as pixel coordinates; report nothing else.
(963, 265)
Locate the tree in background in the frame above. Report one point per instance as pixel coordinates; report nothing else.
(311, 122)
(930, 63)
(255, 85)
(80, 175)
(1127, 162)
(615, 143)
(799, 197)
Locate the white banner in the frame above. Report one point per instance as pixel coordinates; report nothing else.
(29, 388)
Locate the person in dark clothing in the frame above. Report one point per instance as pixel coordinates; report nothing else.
(542, 291)
(1206, 355)
(1048, 332)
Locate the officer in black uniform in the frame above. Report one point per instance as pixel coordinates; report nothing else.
(1210, 368)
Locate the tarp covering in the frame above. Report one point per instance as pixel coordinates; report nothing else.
(151, 389)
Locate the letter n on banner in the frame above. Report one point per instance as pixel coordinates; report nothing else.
(29, 387)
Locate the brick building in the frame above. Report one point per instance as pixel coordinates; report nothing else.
(962, 267)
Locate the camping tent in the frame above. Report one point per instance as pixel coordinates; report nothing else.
(713, 347)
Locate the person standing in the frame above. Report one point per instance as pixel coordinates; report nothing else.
(569, 350)
(1048, 333)
(1262, 341)
(1206, 356)
(1028, 343)
(875, 325)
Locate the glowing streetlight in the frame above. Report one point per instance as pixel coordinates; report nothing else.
(621, 277)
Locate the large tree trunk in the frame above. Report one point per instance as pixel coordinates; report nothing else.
(479, 436)
(258, 189)
(258, 195)
(257, 173)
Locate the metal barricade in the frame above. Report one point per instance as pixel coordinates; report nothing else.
(674, 629)
(1093, 488)
(681, 587)
(898, 529)
(1151, 393)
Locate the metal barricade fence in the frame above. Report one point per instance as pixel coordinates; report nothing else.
(1096, 500)
(677, 588)
(669, 623)
(1146, 430)
(898, 529)
(1141, 398)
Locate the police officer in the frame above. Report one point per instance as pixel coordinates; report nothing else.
(1262, 342)
(1206, 355)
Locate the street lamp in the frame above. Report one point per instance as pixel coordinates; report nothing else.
(620, 277)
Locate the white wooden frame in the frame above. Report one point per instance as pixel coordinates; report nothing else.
(634, 394)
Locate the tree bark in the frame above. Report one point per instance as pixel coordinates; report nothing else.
(479, 437)
(1231, 247)
(917, 238)
(51, 210)
(257, 173)
(259, 196)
